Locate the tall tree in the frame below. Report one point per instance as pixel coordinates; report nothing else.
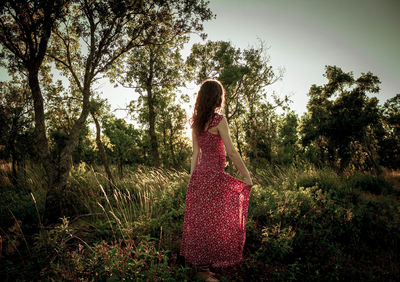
(16, 117)
(124, 140)
(342, 119)
(389, 143)
(220, 60)
(259, 121)
(97, 106)
(25, 30)
(246, 75)
(288, 138)
(92, 36)
(155, 72)
(170, 125)
(261, 131)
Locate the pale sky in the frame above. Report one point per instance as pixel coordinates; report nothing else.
(303, 36)
(306, 35)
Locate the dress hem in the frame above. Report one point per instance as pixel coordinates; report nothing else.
(216, 264)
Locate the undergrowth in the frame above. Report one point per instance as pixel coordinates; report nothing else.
(304, 224)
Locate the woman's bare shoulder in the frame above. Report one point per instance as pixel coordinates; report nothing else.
(222, 123)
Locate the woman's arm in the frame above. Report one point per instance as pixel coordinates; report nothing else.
(196, 150)
(223, 130)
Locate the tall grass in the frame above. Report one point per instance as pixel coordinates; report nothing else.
(304, 223)
(127, 203)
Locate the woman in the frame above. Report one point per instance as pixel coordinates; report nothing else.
(216, 203)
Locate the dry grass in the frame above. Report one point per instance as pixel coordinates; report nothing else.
(393, 176)
(5, 166)
(5, 171)
(135, 197)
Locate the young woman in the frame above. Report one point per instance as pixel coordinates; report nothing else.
(216, 203)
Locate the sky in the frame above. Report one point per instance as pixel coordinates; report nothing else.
(306, 35)
(303, 37)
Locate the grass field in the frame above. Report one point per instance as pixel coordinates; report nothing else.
(304, 224)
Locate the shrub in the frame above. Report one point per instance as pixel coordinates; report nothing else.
(370, 183)
(304, 224)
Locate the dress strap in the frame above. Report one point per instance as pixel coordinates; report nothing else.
(216, 119)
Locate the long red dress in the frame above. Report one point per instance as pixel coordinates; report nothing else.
(216, 208)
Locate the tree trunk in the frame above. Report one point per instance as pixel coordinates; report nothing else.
(254, 156)
(171, 147)
(120, 168)
(152, 133)
(101, 149)
(164, 140)
(55, 204)
(237, 139)
(53, 210)
(14, 168)
(11, 147)
(373, 160)
(152, 116)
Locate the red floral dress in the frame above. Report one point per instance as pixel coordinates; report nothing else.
(216, 208)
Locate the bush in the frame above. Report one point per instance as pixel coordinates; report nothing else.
(303, 224)
(369, 183)
(314, 223)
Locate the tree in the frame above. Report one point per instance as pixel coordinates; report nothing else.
(220, 60)
(124, 141)
(245, 74)
(389, 143)
(92, 36)
(16, 116)
(96, 107)
(261, 131)
(155, 72)
(260, 119)
(170, 126)
(341, 120)
(288, 138)
(25, 30)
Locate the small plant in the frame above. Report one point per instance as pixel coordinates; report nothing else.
(118, 260)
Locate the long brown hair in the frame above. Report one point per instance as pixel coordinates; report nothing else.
(210, 98)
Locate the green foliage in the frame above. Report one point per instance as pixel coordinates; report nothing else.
(124, 142)
(84, 39)
(288, 139)
(16, 117)
(22, 199)
(389, 142)
(245, 74)
(175, 149)
(342, 121)
(370, 183)
(312, 223)
(116, 261)
(156, 72)
(304, 224)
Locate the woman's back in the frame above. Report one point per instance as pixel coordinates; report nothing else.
(212, 148)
